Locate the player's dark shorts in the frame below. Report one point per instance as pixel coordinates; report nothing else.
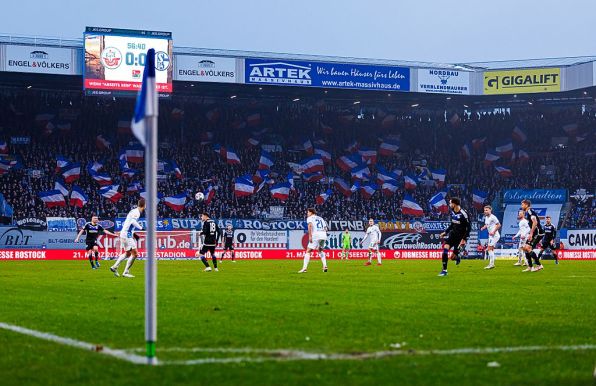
(208, 248)
(546, 243)
(453, 240)
(90, 244)
(228, 247)
(533, 242)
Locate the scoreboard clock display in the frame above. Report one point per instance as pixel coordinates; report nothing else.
(115, 58)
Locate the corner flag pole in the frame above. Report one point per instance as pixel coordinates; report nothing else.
(144, 127)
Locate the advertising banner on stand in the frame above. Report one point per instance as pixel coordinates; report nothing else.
(536, 80)
(204, 69)
(40, 60)
(443, 81)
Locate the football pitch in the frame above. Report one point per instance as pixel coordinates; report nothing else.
(261, 323)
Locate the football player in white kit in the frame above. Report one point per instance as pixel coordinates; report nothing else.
(317, 236)
(522, 233)
(492, 224)
(128, 239)
(373, 235)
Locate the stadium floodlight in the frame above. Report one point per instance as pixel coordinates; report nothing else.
(357, 102)
(415, 105)
(295, 99)
(233, 96)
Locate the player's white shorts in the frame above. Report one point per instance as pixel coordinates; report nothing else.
(522, 243)
(318, 241)
(373, 245)
(128, 243)
(492, 240)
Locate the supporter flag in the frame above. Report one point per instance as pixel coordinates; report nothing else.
(478, 198)
(347, 163)
(389, 121)
(368, 190)
(410, 207)
(176, 169)
(389, 187)
(477, 143)
(325, 155)
(522, 155)
(384, 175)
(360, 173)
(209, 194)
(124, 126)
(266, 160)
(176, 202)
(243, 187)
(342, 186)
(3, 147)
(5, 166)
(146, 105)
(78, 198)
(252, 141)
(519, 135)
(368, 155)
(232, 158)
(355, 187)
(505, 149)
(52, 198)
(410, 182)
(221, 150)
(60, 185)
(313, 177)
(465, 152)
(388, 147)
(260, 175)
(206, 137)
(439, 176)
(439, 203)
(61, 162)
(323, 197)
(490, 157)
(503, 171)
(128, 173)
(133, 187)
(353, 147)
(71, 172)
(570, 129)
(135, 154)
(111, 192)
(143, 194)
(307, 146)
(94, 166)
(280, 191)
(313, 164)
(290, 178)
(253, 119)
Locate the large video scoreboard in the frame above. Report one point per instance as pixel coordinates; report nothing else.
(115, 58)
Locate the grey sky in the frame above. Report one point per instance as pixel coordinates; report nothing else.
(424, 30)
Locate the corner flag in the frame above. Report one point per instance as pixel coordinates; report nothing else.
(146, 100)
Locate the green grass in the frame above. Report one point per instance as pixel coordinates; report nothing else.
(266, 304)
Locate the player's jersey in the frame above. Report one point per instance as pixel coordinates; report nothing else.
(92, 231)
(130, 223)
(346, 239)
(491, 223)
(550, 232)
(460, 224)
(319, 226)
(228, 235)
(529, 213)
(211, 233)
(524, 229)
(373, 233)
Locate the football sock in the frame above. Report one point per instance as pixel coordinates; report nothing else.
(204, 260)
(369, 256)
(540, 254)
(91, 259)
(529, 259)
(306, 260)
(445, 258)
(536, 259)
(214, 260)
(233, 257)
(120, 258)
(96, 256)
(129, 263)
(491, 256)
(323, 258)
(378, 257)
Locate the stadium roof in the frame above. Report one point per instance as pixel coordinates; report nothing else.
(472, 66)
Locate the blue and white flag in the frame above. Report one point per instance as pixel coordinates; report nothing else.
(146, 100)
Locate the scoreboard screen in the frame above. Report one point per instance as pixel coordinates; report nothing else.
(115, 59)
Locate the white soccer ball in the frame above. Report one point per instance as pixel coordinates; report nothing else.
(199, 196)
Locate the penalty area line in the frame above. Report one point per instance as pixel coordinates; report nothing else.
(120, 354)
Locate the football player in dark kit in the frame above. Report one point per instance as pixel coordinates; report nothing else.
(93, 230)
(457, 233)
(548, 241)
(211, 234)
(536, 234)
(228, 239)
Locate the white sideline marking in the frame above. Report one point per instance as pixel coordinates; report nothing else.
(278, 355)
(120, 354)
